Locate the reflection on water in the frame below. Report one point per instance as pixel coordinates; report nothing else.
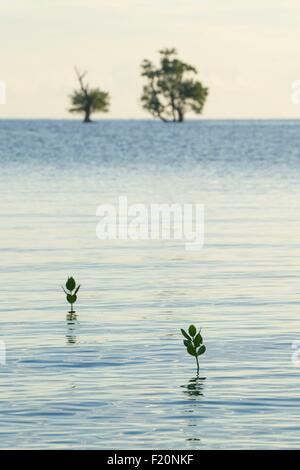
(194, 387)
(120, 377)
(194, 390)
(71, 328)
(71, 316)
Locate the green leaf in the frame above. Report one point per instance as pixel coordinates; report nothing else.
(191, 350)
(186, 342)
(70, 284)
(185, 334)
(192, 330)
(198, 340)
(77, 289)
(201, 350)
(71, 298)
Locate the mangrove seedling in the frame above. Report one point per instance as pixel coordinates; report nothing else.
(71, 292)
(194, 343)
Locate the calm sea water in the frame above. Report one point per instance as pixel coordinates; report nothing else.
(119, 376)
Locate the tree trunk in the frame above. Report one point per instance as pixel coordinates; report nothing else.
(180, 116)
(87, 115)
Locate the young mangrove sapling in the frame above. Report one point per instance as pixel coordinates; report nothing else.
(194, 343)
(71, 292)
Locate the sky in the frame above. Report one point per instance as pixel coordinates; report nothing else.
(246, 51)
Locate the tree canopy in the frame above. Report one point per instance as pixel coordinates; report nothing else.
(171, 90)
(88, 100)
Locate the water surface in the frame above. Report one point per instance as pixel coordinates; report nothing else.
(118, 376)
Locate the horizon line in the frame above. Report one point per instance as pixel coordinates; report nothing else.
(153, 119)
